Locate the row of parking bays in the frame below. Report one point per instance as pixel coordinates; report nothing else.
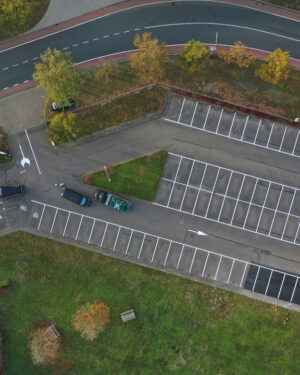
(239, 127)
(186, 259)
(231, 198)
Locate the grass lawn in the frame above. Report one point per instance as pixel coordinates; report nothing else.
(293, 4)
(4, 148)
(36, 11)
(182, 327)
(136, 178)
(124, 109)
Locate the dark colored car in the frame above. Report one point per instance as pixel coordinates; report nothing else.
(75, 197)
(6, 191)
(58, 108)
(112, 200)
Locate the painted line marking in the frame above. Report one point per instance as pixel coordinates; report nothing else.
(85, 42)
(25, 62)
(5, 68)
(106, 36)
(95, 39)
(75, 45)
(15, 65)
(38, 168)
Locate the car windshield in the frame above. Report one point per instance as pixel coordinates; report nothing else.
(83, 200)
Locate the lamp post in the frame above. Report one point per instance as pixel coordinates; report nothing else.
(107, 174)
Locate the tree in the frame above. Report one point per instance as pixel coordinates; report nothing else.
(63, 128)
(238, 55)
(276, 67)
(57, 77)
(194, 56)
(149, 59)
(16, 15)
(90, 319)
(44, 348)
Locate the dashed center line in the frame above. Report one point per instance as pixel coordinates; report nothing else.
(95, 39)
(35, 58)
(116, 33)
(126, 31)
(65, 48)
(86, 41)
(15, 65)
(25, 62)
(137, 29)
(106, 36)
(75, 45)
(5, 68)
(16, 84)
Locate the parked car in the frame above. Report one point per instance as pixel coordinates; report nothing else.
(75, 197)
(11, 190)
(62, 106)
(113, 201)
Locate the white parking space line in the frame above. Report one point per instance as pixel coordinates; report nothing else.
(155, 248)
(129, 242)
(158, 238)
(178, 167)
(117, 236)
(296, 236)
(287, 214)
(188, 182)
(53, 221)
(66, 224)
(192, 262)
(37, 165)
(208, 110)
(104, 235)
(267, 288)
(292, 296)
(216, 274)
(205, 263)
(79, 226)
(41, 217)
(142, 244)
(179, 259)
(179, 116)
(283, 279)
(231, 268)
(91, 231)
(257, 272)
(168, 253)
(249, 142)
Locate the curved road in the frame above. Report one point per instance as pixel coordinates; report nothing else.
(175, 23)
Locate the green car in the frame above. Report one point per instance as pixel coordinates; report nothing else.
(113, 201)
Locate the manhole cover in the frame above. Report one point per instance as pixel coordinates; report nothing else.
(35, 215)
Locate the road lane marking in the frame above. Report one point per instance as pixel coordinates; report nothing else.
(37, 165)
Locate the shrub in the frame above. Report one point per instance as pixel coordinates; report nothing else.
(43, 348)
(91, 319)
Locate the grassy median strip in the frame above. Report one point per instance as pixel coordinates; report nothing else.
(136, 178)
(121, 110)
(181, 326)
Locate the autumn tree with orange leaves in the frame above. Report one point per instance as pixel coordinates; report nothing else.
(238, 55)
(90, 319)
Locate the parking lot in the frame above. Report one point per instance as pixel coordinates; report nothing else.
(239, 127)
(230, 198)
(186, 259)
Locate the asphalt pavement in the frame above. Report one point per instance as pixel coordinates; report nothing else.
(175, 23)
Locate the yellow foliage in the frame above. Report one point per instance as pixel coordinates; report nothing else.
(194, 56)
(238, 55)
(276, 67)
(91, 319)
(149, 59)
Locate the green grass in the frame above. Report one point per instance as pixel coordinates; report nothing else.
(178, 321)
(136, 178)
(36, 11)
(4, 148)
(292, 4)
(124, 109)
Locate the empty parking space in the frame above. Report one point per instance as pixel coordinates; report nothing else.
(165, 253)
(248, 129)
(231, 198)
